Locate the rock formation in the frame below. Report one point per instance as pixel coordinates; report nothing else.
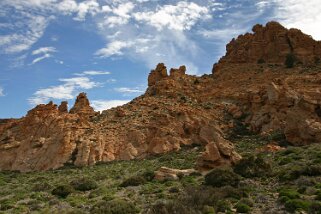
(271, 44)
(179, 109)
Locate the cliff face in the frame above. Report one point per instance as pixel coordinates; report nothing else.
(178, 109)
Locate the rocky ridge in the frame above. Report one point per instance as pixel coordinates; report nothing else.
(180, 110)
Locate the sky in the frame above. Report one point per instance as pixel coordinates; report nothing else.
(55, 49)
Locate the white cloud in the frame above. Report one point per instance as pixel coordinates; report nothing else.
(176, 17)
(38, 59)
(1, 92)
(301, 14)
(125, 90)
(66, 90)
(87, 7)
(33, 29)
(92, 73)
(121, 14)
(100, 105)
(114, 48)
(44, 50)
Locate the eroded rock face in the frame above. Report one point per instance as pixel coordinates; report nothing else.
(271, 44)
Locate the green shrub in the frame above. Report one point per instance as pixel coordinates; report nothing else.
(242, 208)
(114, 207)
(247, 201)
(253, 167)
(6, 204)
(41, 187)
(84, 184)
(133, 181)
(297, 204)
(149, 175)
(208, 210)
(284, 199)
(313, 170)
(290, 60)
(62, 191)
(318, 195)
(290, 193)
(222, 177)
(170, 207)
(223, 206)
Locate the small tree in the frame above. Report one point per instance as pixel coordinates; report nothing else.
(290, 60)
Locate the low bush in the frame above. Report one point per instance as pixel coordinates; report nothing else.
(242, 208)
(84, 184)
(133, 181)
(222, 177)
(114, 207)
(62, 191)
(290, 193)
(170, 207)
(297, 204)
(254, 166)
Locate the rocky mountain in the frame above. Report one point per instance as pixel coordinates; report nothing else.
(250, 86)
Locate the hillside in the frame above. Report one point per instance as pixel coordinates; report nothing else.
(256, 121)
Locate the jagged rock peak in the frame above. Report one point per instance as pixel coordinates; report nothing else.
(157, 74)
(271, 44)
(178, 72)
(160, 72)
(82, 105)
(63, 108)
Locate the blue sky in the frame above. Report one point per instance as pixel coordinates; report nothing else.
(54, 49)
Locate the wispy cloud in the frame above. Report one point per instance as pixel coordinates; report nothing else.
(100, 105)
(32, 30)
(305, 15)
(67, 90)
(44, 50)
(1, 92)
(93, 73)
(114, 48)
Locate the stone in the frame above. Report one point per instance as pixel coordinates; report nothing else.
(165, 173)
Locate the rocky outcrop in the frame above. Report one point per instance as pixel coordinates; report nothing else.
(82, 106)
(271, 44)
(63, 108)
(159, 73)
(219, 153)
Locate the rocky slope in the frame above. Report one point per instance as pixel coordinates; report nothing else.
(178, 109)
